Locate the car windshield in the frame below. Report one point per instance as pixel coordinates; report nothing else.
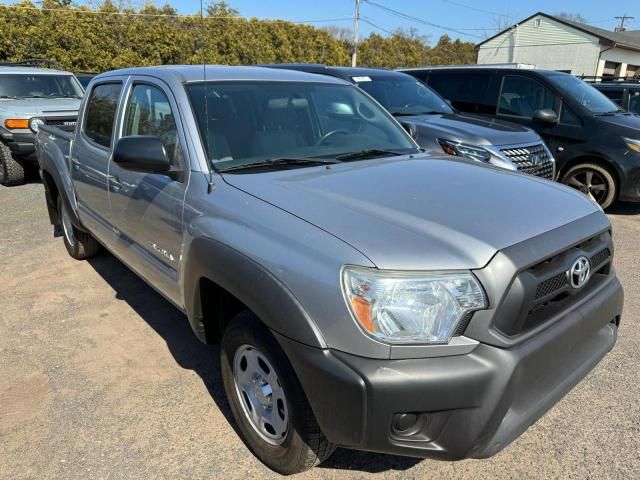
(247, 122)
(15, 85)
(403, 96)
(589, 97)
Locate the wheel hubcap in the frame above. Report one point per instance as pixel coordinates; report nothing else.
(260, 394)
(67, 227)
(590, 183)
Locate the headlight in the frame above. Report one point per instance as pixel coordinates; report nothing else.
(633, 144)
(401, 307)
(34, 124)
(464, 150)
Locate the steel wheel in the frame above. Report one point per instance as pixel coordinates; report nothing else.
(261, 394)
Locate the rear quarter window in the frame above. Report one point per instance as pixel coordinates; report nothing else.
(101, 113)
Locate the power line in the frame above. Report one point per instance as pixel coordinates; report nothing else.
(623, 19)
(479, 9)
(377, 27)
(419, 20)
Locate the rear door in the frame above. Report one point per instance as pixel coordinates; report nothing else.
(467, 90)
(146, 208)
(90, 157)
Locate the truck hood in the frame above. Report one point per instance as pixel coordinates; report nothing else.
(420, 214)
(472, 129)
(22, 107)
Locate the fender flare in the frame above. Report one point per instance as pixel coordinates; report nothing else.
(252, 284)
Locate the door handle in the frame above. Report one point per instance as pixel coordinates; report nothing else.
(114, 183)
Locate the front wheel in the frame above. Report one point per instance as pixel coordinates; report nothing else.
(267, 401)
(79, 244)
(593, 180)
(11, 170)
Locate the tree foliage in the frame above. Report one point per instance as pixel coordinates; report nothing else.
(112, 35)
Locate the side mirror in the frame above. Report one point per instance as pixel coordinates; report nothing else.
(545, 115)
(142, 154)
(411, 129)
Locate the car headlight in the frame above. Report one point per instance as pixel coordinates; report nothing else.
(34, 124)
(458, 149)
(410, 307)
(633, 144)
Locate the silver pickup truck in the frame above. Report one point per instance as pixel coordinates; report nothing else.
(365, 295)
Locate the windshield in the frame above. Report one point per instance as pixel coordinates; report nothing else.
(404, 96)
(245, 122)
(14, 85)
(589, 97)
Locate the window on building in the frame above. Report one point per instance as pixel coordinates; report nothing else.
(611, 69)
(537, 22)
(633, 71)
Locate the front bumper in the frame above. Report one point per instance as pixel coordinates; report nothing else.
(469, 405)
(21, 143)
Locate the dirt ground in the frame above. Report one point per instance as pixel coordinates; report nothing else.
(100, 378)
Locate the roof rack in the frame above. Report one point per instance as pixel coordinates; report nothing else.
(34, 62)
(608, 79)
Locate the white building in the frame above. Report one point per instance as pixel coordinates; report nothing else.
(553, 43)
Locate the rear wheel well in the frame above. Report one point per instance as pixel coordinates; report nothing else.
(218, 309)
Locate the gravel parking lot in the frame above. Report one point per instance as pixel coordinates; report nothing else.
(102, 378)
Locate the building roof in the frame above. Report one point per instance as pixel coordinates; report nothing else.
(629, 39)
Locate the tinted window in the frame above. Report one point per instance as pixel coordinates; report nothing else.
(39, 86)
(521, 96)
(614, 95)
(568, 117)
(404, 95)
(634, 102)
(101, 113)
(245, 122)
(149, 113)
(465, 90)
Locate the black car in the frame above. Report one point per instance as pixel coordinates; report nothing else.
(625, 93)
(596, 144)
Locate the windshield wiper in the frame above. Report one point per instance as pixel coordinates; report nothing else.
(277, 162)
(411, 114)
(371, 153)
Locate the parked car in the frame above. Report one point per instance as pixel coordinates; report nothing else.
(623, 92)
(31, 97)
(365, 295)
(438, 127)
(595, 143)
(84, 78)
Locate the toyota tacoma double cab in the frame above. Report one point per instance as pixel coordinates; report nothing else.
(31, 97)
(365, 295)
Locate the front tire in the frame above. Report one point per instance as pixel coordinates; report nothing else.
(79, 244)
(593, 180)
(268, 403)
(11, 171)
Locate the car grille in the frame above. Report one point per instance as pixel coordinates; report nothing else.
(542, 291)
(533, 159)
(68, 124)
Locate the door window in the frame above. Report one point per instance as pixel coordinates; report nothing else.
(614, 94)
(149, 113)
(465, 90)
(634, 102)
(101, 113)
(521, 96)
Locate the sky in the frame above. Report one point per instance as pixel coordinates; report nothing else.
(466, 19)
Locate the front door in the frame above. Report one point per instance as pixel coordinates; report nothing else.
(520, 96)
(146, 208)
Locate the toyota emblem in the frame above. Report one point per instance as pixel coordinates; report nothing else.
(580, 272)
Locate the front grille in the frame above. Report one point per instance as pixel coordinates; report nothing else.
(68, 124)
(533, 160)
(543, 290)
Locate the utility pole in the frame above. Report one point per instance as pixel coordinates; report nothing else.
(356, 22)
(623, 19)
